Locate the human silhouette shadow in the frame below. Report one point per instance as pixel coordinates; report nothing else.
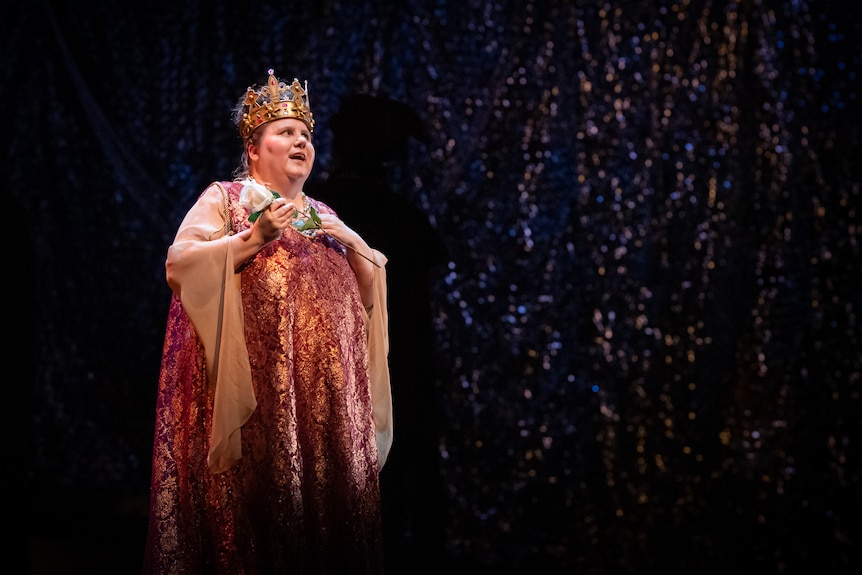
(371, 138)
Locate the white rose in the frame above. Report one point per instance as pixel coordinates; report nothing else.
(255, 197)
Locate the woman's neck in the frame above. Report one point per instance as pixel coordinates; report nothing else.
(291, 191)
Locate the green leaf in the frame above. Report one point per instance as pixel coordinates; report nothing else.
(312, 223)
(314, 217)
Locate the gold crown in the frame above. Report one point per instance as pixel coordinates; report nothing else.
(274, 101)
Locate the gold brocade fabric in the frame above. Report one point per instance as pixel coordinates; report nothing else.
(304, 496)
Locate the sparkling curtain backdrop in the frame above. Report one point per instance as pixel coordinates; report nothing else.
(628, 231)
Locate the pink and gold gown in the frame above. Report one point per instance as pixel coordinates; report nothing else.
(274, 412)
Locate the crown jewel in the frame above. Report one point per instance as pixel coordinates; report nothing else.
(275, 100)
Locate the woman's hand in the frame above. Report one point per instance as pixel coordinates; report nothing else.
(333, 226)
(268, 227)
(273, 220)
(359, 255)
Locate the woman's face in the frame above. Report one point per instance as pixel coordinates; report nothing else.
(284, 153)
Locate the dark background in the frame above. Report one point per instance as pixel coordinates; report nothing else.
(624, 244)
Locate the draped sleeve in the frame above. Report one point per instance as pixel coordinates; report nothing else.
(378, 361)
(200, 270)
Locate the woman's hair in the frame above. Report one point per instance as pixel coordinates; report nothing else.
(241, 171)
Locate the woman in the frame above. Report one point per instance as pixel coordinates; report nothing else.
(274, 406)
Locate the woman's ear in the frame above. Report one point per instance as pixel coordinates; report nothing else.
(251, 150)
